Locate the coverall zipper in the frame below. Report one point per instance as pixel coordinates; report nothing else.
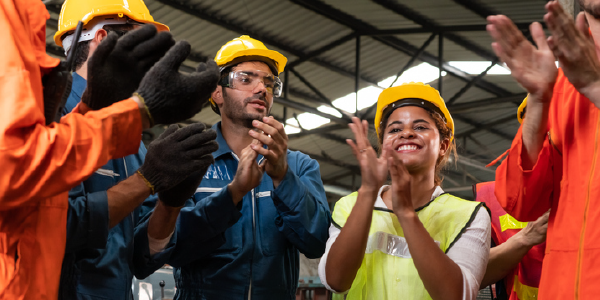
(253, 233)
(585, 213)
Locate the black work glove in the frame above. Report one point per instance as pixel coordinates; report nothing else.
(177, 195)
(172, 96)
(118, 65)
(176, 154)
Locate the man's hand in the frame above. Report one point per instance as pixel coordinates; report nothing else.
(176, 154)
(573, 46)
(535, 232)
(271, 133)
(118, 65)
(533, 68)
(248, 175)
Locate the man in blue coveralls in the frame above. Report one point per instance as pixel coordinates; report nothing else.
(107, 240)
(259, 203)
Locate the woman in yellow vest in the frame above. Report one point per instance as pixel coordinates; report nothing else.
(409, 239)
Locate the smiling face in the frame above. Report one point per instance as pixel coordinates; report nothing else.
(412, 132)
(242, 107)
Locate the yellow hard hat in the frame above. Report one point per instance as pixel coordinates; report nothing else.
(86, 10)
(413, 94)
(521, 110)
(245, 48)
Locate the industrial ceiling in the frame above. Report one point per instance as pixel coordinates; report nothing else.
(336, 47)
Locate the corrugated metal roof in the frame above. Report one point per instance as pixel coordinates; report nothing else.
(295, 30)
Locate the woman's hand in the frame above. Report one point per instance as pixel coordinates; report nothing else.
(401, 196)
(373, 170)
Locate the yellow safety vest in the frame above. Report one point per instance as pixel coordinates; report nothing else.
(387, 270)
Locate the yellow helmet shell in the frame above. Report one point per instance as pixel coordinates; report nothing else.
(415, 90)
(74, 11)
(521, 110)
(243, 46)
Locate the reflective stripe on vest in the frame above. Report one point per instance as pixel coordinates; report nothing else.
(387, 269)
(524, 292)
(509, 222)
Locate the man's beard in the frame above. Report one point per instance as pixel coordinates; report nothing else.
(592, 9)
(238, 114)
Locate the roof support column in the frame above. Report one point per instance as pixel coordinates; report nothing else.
(440, 60)
(357, 71)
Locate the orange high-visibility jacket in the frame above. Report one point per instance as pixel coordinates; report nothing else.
(39, 164)
(523, 281)
(566, 178)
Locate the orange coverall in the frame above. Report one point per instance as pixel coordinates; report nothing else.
(566, 178)
(40, 164)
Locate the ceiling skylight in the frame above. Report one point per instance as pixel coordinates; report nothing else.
(367, 97)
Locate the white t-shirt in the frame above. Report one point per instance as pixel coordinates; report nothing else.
(470, 252)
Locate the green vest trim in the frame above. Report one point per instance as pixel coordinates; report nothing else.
(387, 269)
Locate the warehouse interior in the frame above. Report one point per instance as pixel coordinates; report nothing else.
(338, 49)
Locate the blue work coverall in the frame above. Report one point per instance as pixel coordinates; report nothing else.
(99, 262)
(230, 252)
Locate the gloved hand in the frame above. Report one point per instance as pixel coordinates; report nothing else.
(177, 195)
(176, 154)
(171, 96)
(118, 65)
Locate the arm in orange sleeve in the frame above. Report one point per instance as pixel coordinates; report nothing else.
(525, 194)
(51, 160)
(40, 161)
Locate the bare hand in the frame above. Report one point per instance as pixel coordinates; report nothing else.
(401, 194)
(535, 232)
(271, 133)
(573, 46)
(373, 170)
(533, 68)
(248, 175)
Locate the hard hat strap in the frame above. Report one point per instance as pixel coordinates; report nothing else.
(90, 29)
(387, 111)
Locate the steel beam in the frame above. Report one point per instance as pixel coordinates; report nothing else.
(357, 73)
(406, 66)
(466, 107)
(322, 50)
(231, 25)
(446, 29)
(324, 100)
(477, 7)
(414, 57)
(441, 61)
(488, 127)
(358, 25)
(416, 17)
(318, 130)
(310, 109)
(469, 84)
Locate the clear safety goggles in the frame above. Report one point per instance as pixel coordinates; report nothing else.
(249, 80)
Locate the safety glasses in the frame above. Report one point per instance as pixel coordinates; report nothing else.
(249, 80)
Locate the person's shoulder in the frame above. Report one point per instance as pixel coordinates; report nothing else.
(298, 156)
